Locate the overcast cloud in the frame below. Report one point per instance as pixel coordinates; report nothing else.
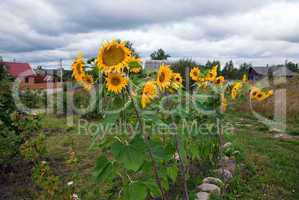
(43, 31)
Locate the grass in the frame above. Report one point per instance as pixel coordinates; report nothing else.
(268, 167)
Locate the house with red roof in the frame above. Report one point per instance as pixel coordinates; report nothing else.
(20, 70)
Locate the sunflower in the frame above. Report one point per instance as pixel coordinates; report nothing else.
(116, 82)
(254, 91)
(164, 77)
(260, 96)
(113, 56)
(149, 92)
(234, 94)
(219, 80)
(194, 73)
(211, 76)
(78, 67)
(135, 65)
(87, 81)
(177, 81)
(235, 88)
(223, 103)
(244, 79)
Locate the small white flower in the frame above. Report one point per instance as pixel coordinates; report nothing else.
(176, 156)
(70, 183)
(44, 162)
(75, 197)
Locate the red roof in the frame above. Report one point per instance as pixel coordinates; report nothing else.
(18, 69)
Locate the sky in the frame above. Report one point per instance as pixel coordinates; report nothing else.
(257, 31)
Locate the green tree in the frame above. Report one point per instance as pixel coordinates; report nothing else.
(229, 71)
(160, 54)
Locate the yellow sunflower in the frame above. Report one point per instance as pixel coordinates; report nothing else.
(260, 96)
(195, 73)
(211, 76)
(223, 103)
(164, 77)
(116, 82)
(253, 92)
(149, 92)
(177, 81)
(135, 65)
(234, 92)
(113, 56)
(78, 67)
(87, 81)
(244, 79)
(219, 80)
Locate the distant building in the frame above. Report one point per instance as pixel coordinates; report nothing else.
(258, 73)
(21, 70)
(153, 65)
(30, 79)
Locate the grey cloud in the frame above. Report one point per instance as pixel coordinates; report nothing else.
(46, 30)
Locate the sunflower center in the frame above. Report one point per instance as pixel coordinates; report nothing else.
(195, 74)
(162, 77)
(178, 79)
(259, 95)
(113, 56)
(254, 93)
(115, 81)
(78, 68)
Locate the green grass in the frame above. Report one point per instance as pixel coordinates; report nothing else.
(268, 167)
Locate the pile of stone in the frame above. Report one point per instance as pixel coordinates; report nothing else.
(212, 185)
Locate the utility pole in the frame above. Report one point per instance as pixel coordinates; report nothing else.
(61, 70)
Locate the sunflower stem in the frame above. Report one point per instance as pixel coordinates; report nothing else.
(147, 142)
(182, 167)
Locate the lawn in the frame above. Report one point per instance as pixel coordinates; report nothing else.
(267, 167)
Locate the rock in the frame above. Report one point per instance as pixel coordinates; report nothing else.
(226, 145)
(236, 152)
(225, 174)
(275, 130)
(202, 196)
(210, 188)
(213, 180)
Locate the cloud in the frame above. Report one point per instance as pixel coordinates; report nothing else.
(254, 31)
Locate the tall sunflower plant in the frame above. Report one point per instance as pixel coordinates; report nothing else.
(158, 149)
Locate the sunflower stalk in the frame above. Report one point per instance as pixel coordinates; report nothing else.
(182, 167)
(147, 142)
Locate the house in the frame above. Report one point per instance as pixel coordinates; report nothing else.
(258, 73)
(20, 70)
(153, 65)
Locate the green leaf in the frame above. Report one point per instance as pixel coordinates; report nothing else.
(172, 172)
(153, 188)
(104, 170)
(135, 191)
(132, 156)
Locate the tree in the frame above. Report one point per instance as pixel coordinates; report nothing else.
(159, 55)
(292, 66)
(129, 45)
(229, 71)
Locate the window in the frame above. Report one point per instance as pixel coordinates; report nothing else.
(26, 80)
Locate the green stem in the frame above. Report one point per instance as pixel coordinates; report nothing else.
(182, 167)
(147, 142)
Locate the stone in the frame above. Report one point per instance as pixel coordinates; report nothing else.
(225, 174)
(213, 180)
(202, 196)
(210, 188)
(227, 145)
